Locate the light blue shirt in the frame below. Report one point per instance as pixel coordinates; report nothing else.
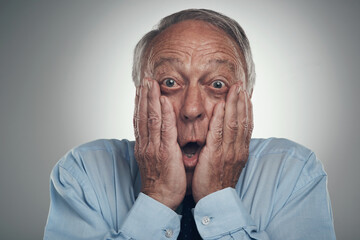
(281, 194)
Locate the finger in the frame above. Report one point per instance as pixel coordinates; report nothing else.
(168, 123)
(245, 118)
(154, 112)
(231, 124)
(250, 119)
(142, 115)
(215, 134)
(135, 119)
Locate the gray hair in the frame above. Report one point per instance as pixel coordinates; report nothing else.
(230, 26)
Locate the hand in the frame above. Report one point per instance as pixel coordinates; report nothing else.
(227, 145)
(156, 148)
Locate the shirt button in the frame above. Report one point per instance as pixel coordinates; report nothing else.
(205, 220)
(168, 233)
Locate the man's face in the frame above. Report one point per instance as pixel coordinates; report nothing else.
(195, 64)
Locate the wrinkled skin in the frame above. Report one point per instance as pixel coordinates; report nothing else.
(192, 91)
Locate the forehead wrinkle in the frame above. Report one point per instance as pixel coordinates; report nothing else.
(222, 42)
(222, 58)
(170, 48)
(225, 54)
(171, 60)
(161, 54)
(172, 45)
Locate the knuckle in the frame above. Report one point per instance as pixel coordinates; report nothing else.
(233, 125)
(154, 120)
(217, 135)
(245, 124)
(166, 125)
(141, 117)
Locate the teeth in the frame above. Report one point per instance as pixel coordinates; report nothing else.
(189, 155)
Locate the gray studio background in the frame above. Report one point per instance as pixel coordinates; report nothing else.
(65, 75)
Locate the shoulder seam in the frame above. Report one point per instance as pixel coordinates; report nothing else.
(81, 182)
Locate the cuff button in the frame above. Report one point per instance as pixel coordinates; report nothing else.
(205, 220)
(169, 233)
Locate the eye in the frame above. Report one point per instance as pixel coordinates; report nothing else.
(169, 82)
(218, 84)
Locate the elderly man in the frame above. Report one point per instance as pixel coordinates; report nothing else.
(193, 172)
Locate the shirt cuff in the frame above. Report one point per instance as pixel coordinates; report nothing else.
(221, 213)
(149, 217)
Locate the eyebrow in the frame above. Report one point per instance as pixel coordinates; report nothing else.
(229, 64)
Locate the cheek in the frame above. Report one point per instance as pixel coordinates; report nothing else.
(210, 104)
(211, 99)
(176, 102)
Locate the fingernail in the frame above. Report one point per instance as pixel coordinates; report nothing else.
(149, 84)
(137, 91)
(239, 88)
(162, 100)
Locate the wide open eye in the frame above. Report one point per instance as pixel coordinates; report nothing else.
(218, 84)
(169, 82)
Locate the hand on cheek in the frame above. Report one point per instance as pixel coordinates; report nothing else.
(227, 145)
(156, 149)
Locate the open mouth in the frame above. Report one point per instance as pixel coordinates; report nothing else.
(190, 149)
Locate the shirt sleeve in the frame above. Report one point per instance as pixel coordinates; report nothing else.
(221, 215)
(75, 213)
(149, 217)
(305, 215)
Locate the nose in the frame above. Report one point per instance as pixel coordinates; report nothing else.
(193, 107)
